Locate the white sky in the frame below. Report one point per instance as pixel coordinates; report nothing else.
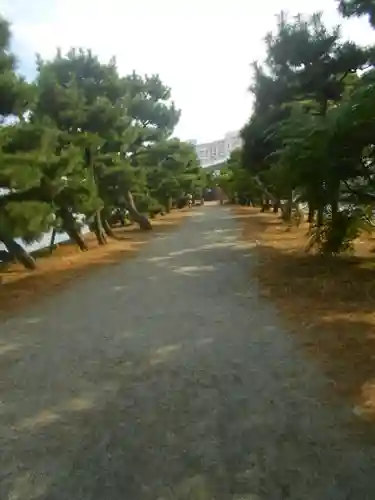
(202, 49)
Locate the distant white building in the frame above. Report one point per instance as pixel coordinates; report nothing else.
(219, 151)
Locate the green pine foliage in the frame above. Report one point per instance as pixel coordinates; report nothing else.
(84, 140)
(309, 140)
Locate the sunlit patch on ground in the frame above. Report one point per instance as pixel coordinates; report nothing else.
(45, 417)
(8, 348)
(33, 321)
(191, 270)
(205, 341)
(83, 403)
(366, 404)
(119, 288)
(163, 353)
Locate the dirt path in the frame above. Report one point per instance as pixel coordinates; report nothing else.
(167, 376)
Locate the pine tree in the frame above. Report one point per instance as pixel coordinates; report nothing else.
(16, 219)
(153, 118)
(308, 68)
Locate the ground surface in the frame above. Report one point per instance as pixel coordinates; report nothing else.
(328, 302)
(20, 287)
(169, 377)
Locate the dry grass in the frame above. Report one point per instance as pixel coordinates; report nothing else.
(329, 303)
(20, 287)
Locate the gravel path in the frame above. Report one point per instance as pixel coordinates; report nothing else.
(167, 377)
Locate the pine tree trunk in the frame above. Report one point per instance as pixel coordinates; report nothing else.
(335, 197)
(320, 216)
(288, 211)
(310, 217)
(287, 208)
(18, 252)
(335, 209)
(77, 238)
(96, 225)
(140, 219)
(98, 229)
(69, 226)
(107, 228)
(52, 245)
(276, 207)
(168, 205)
(6, 256)
(266, 205)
